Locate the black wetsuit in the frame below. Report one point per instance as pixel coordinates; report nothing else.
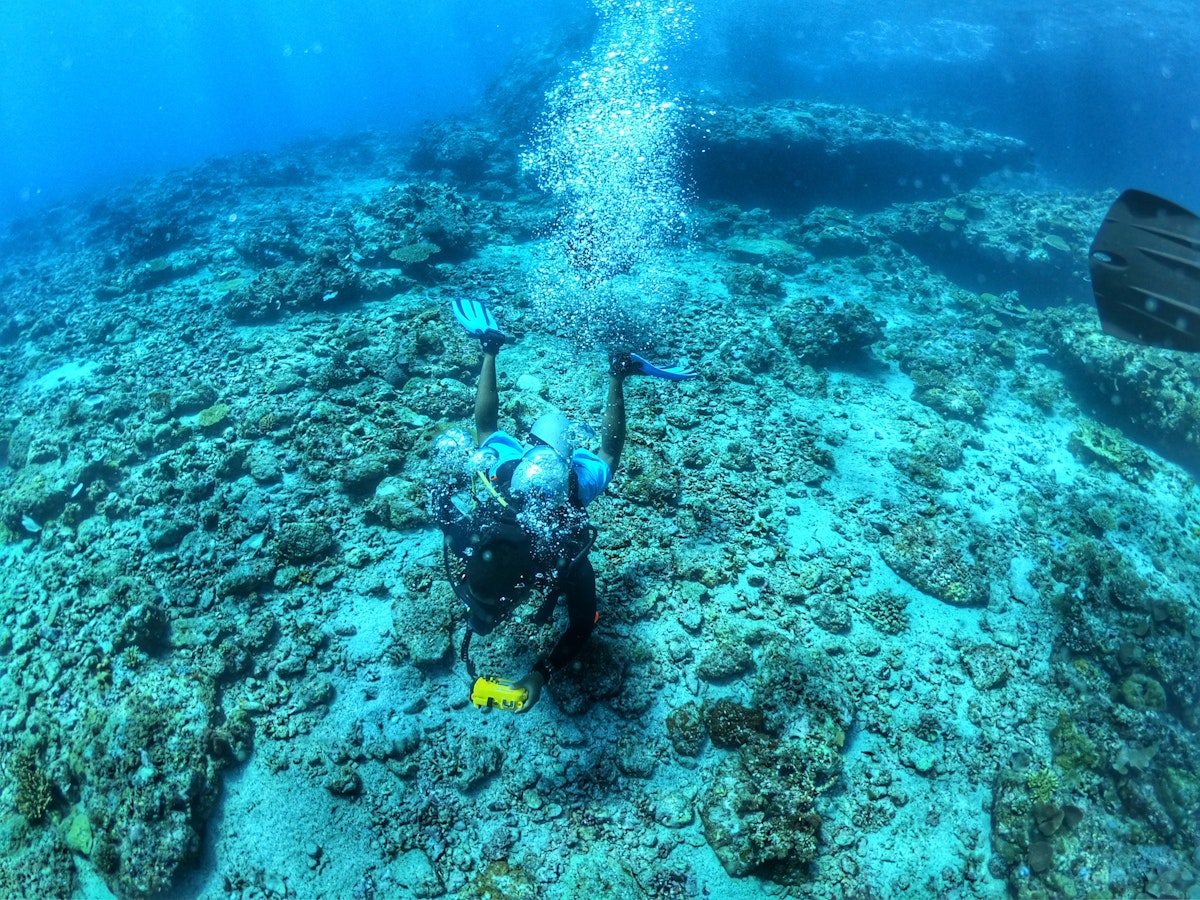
(518, 568)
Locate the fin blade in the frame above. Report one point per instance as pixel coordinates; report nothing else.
(474, 316)
(1145, 268)
(670, 373)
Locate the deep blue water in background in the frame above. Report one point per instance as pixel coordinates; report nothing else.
(1108, 94)
(91, 92)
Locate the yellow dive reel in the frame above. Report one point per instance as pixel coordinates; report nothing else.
(489, 692)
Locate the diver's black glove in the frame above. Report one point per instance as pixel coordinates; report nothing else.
(441, 507)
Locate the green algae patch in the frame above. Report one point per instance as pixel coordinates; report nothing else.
(1074, 751)
(1142, 692)
(213, 415)
(415, 253)
(1093, 442)
(78, 834)
(229, 285)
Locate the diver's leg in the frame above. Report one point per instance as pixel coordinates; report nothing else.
(487, 400)
(580, 589)
(612, 430)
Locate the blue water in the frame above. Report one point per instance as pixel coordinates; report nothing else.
(1107, 94)
(91, 94)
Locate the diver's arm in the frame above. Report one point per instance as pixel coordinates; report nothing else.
(581, 608)
(446, 515)
(612, 430)
(487, 398)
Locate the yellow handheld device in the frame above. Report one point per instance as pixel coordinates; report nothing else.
(488, 692)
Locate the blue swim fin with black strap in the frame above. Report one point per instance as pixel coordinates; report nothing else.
(477, 319)
(632, 364)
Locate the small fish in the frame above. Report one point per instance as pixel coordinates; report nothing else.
(29, 525)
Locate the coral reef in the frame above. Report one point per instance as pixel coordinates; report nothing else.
(748, 155)
(1146, 391)
(896, 573)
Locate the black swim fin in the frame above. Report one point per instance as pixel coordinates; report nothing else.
(1145, 266)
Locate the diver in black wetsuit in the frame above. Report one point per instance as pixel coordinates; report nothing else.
(528, 530)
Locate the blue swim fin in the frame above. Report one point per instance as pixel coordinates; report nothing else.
(637, 365)
(477, 319)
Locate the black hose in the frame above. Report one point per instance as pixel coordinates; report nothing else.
(464, 653)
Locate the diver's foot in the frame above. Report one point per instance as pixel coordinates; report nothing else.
(492, 341)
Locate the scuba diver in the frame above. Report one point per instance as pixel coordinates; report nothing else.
(525, 530)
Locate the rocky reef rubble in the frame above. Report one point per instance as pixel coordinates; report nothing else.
(792, 156)
(1147, 392)
(996, 241)
(876, 583)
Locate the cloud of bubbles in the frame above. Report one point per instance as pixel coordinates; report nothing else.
(608, 150)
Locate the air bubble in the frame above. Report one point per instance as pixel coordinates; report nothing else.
(619, 186)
